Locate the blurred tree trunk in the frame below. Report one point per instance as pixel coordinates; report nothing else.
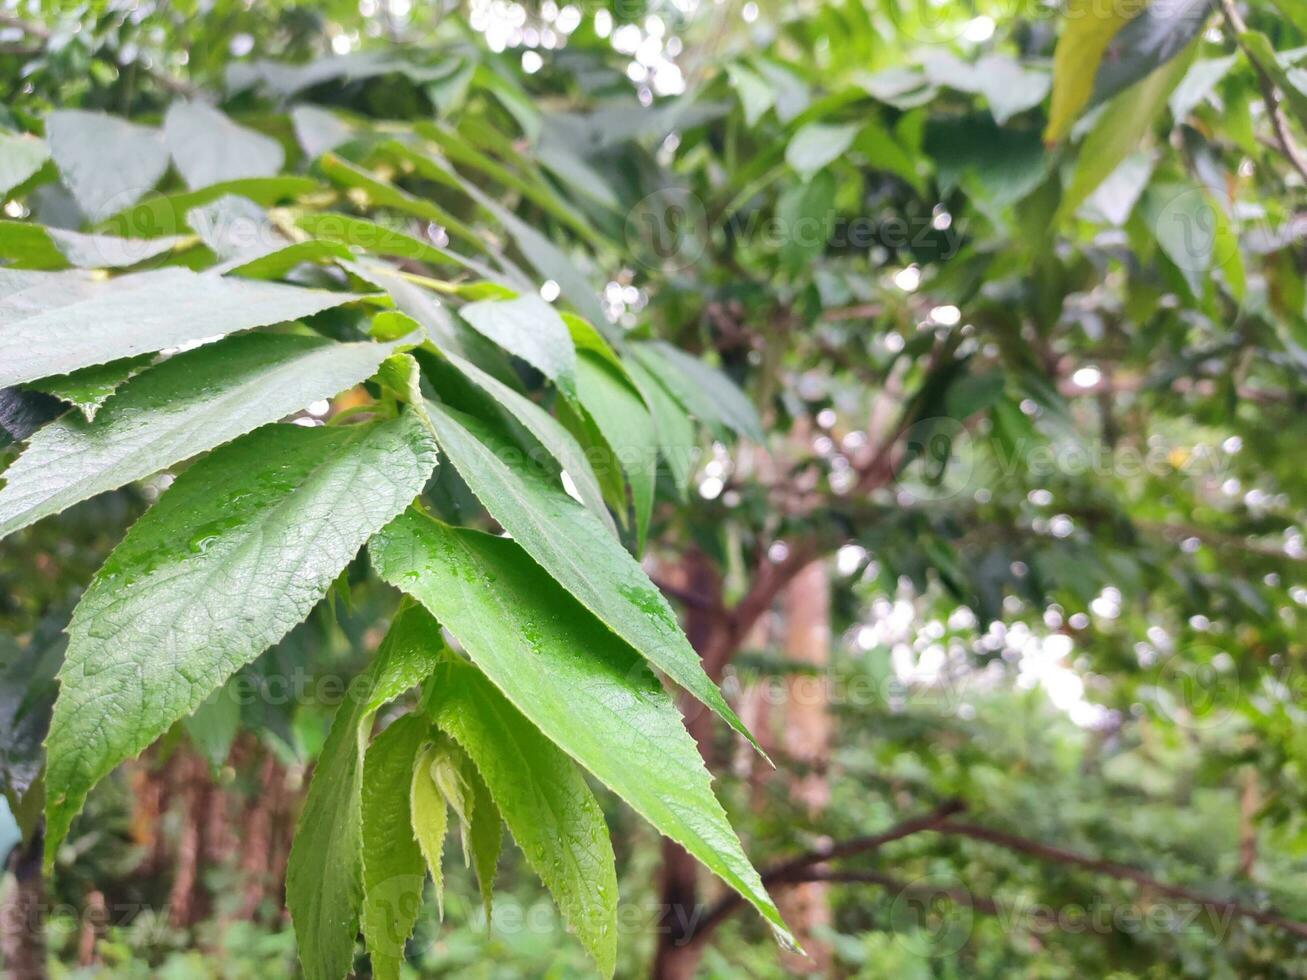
(806, 740)
(22, 942)
(676, 958)
(187, 900)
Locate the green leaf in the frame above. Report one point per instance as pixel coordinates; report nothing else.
(165, 214)
(1197, 84)
(232, 556)
(1119, 129)
(188, 404)
(382, 240)
(756, 96)
(1147, 42)
(1292, 82)
(213, 726)
(387, 195)
(108, 163)
(89, 388)
(996, 165)
(430, 821)
(1088, 26)
(560, 443)
(462, 788)
(20, 157)
(324, 878)
(1008, 87)
(393, 875)
(48, 331)
(577, 550)
(584, 688)
(627, 427)
(234, 226)
(531, 329)
(545, 801)
(816, 145)
(704, 391)
(548, 260)
(208, 148)
(677, 441)
(319, 131)
(30, 246)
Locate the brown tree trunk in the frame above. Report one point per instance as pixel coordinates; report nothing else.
(22, 943)
(806, 739)
(676, 958)
(186, 900)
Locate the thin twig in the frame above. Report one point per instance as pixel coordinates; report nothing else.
(809, 866)
(1111, 869)
(1270, 94)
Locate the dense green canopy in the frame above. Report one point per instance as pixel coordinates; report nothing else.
(409, 407)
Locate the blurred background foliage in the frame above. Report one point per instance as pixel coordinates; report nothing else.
(1034, 404)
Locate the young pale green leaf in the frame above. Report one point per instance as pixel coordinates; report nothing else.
(107, 163)
(20, 157)
(430, 821)
(1087, 28)
(188, 404)
(30, 246)
(816, 145)
(560, 443)
(393, 874)
(1125, 121)
(676, 436)
(43, 334)
(208, 148)
(460, 785)
(89, 388)
(573, 678)
(545, 802)
(705, 392)
(232, 556)
(576, 549)
(627, 426)
(531, 329)
(324, 878)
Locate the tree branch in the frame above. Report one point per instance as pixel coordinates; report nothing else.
(797, 868)
(808, 866)
(1270, 94)
(1111, 869)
